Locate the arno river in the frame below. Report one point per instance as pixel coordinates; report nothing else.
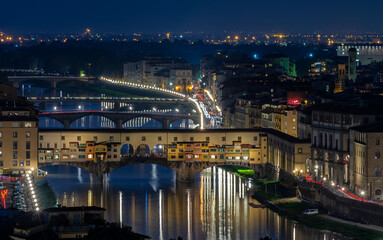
(148, 198)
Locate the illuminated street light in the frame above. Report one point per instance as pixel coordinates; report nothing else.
(54, 108)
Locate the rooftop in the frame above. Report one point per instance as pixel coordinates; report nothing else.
(372, 128)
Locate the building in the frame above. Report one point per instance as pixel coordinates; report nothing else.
(352, 63)
(281, 118)
(283, 61)
(18, 133)
(158, 71)
(181, 80)
(331, 122)
(365, 160)
(365, 53)
(288, 153)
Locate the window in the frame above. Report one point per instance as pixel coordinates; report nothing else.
(239, 138)
(78, 138)
(255, 138)
(90, 155)
(14, 145)
(1, 163)
(15, 124)
(378, 172)
(15, 134)
(114, 156)
(159, 138)
(143, 139)
(14, 163)
(378, 192)
(27, 124)
(111, 138)
(377, 155)
(207, 138)
(299, 150)
(127, 138)
(378, 143)
(28, 154)
(14, 155)
(95, 138)
(191, 139)
(62, 138)
(55, 145)
(175, 139)
(28, 134)
(28, 163)
(27, 145)
(1, 153)
(41, 137)
(223, 138)
(1, 134)
(21, 163)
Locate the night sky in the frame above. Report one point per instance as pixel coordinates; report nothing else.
(200, 15)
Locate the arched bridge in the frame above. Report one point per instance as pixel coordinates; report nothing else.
(185, 170)
(52, 80)
(119, 118)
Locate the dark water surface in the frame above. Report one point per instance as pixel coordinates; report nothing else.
(148, 198)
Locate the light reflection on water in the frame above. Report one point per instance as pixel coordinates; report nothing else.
(148, 198)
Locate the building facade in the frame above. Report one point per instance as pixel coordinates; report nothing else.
(18, 134)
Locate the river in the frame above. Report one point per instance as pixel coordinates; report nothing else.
(148, 198)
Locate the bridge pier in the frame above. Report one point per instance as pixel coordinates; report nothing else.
(119, 123)
(66, 124)
(186, 171)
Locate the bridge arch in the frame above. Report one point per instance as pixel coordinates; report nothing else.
(36, 82)
(93, 121)
(159, 150)
(143, 122)
(185, 123)
(47, 122)
(143, 150)
(127, 150)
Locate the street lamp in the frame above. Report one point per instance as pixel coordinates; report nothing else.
(362, 193)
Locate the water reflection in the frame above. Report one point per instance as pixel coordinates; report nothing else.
(148, 198)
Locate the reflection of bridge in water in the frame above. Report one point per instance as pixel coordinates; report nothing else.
(185, 170)
(119, 119)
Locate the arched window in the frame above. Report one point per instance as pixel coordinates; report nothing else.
(378, 192)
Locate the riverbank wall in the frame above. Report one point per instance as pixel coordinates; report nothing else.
(323, 197)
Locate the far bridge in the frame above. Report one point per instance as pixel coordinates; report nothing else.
(118, 117)
(51, 80)
(185, 170)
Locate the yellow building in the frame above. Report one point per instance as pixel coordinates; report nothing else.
(18, 133)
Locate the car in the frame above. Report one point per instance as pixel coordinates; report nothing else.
(310, 212)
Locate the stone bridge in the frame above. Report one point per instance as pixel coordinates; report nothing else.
(185, 170)
(119, 118)
(52, 80)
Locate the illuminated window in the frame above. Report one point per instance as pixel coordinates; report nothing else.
(90, 155)
(27, 124)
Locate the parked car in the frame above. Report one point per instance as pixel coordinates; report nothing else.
(310, 212)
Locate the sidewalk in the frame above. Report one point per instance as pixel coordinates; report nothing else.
(368, 226)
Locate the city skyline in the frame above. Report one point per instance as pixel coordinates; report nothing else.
(199, 16)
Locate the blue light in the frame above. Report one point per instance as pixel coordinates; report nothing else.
(311, 55)
(255, 56)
